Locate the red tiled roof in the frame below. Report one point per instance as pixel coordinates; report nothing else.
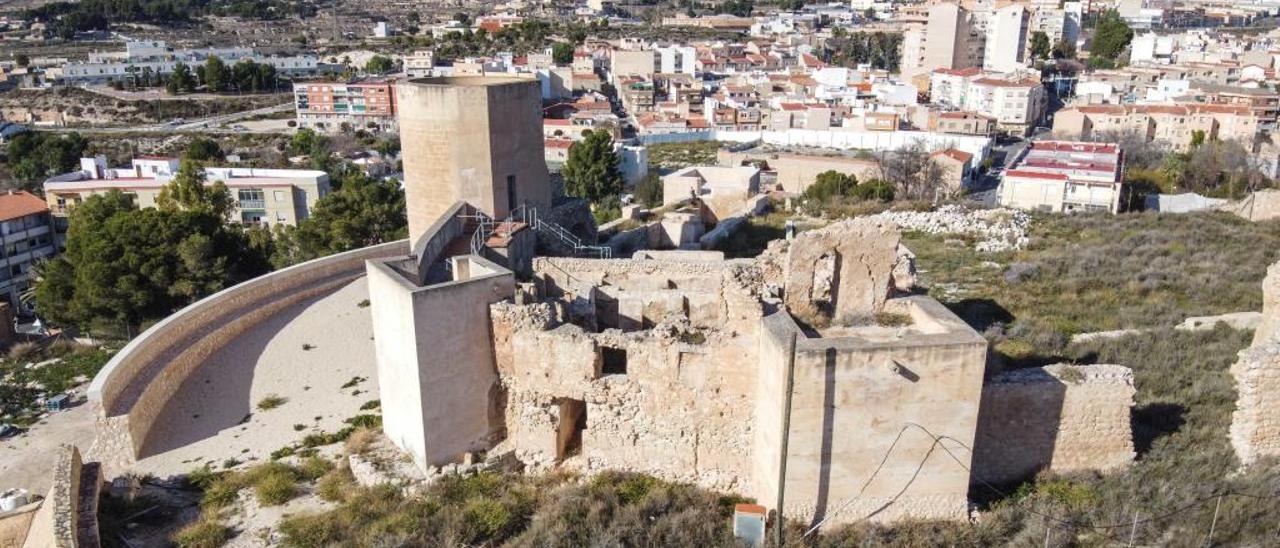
(971, 71)
(14, 205)
(955, 154)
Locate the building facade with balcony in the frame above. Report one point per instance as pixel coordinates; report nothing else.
(262, 196)
(26, 236)
(331, 107)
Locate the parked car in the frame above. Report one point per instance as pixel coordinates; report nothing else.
(7, 430)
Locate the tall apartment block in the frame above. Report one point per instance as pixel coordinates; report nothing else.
(332, 107)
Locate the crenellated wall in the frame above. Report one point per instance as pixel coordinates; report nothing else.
(132, 389)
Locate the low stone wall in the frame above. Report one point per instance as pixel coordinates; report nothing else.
(68, 516)
(1060, 418)
(133, 388)
(1255, 424)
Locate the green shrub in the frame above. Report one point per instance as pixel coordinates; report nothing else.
(271, 401)
(488, 517)
(312, 468)
(336, 484)
(202, 534)
(220, 494)
(371, 404)
(372, 422)
(275, 487)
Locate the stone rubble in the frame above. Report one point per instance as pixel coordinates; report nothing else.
(997, 229)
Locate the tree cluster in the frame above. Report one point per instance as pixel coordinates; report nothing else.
(591, 171)
(1111, 36)
(34, 156)
(217, 77)
(913, 175)
(879, 49)
(832, 185)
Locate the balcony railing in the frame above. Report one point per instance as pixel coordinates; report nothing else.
(253, 204)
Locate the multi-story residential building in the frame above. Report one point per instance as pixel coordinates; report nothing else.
(335, 106)
(263, 196)
(637, 96)
(1173, 124)
(949, 86)
(1065, 176)
(158, 58)
(950, 38)
(420, 64)
(1006, 42)
(1264, 103)
(26, 235)
(1017, 105)
(965, 123)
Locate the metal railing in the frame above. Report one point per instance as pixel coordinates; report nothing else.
(529, 215)
(486, 226)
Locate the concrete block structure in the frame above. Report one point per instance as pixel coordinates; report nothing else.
(475, 139)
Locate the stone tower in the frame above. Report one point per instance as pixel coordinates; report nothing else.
(474, 138)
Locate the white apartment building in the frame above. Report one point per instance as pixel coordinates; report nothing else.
(419, 64)
(263, 196)
(103, 67)
(1017, 105)
(677, 60)
(1006, 44)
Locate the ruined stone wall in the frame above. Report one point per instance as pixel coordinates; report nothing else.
(60, 522)
(1255, 424)
(680, 411)
(1060, 418)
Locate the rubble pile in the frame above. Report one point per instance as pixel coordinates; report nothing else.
(997, 229)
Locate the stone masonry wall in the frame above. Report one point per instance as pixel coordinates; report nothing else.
(1255, 424)
(1060, 418)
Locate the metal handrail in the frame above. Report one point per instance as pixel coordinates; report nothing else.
(527, 214)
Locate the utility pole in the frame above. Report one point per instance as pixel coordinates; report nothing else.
(786, 433)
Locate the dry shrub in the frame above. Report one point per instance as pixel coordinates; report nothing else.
(205, 533)
(359, 442)
(23, 350)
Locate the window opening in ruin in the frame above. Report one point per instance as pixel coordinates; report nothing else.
(573, 420)
(615, 361)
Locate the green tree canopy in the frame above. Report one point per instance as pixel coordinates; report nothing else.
(181, 81)
(34, 156)
(188, 192)
(214, 74)
(1110, 36)
(1040, 48)
(124, 266)
(830, 184)
(591, 171)
(204, 149)
(562, 53)
(362, 212)
(379, 64)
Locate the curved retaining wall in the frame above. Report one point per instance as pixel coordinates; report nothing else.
(132, 389)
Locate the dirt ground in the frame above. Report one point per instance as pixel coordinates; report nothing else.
(305, 354)
(26, 459)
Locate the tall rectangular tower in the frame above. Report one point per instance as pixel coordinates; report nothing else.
(474, 138)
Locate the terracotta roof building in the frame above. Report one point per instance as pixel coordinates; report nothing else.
(26, 235)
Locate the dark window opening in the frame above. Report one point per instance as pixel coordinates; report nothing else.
(573, 420)
(615, 361)
(511, 193)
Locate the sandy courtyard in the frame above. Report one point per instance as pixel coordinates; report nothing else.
(26, 459)
(304, 354)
